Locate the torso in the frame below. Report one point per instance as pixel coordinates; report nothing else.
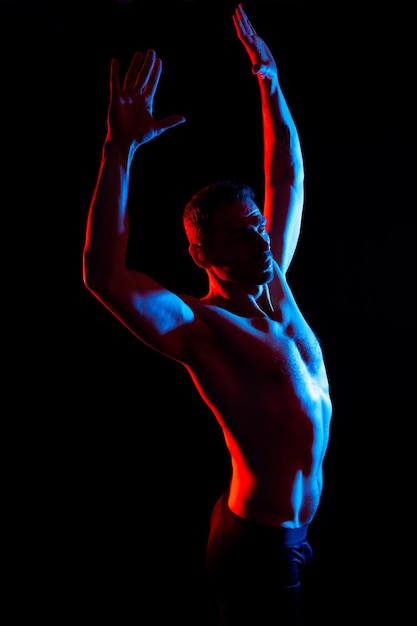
(274, 408)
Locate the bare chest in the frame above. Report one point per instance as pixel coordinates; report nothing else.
(261, 348)
(267, 343)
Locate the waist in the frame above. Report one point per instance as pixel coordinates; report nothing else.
(286, 536)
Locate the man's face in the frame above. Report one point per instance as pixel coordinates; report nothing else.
(240, 249)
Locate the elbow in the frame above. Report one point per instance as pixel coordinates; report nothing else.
(288, 170)
(295, 179)
(94, 285)
(98, 288)
(90, 282)
(95, 279)
(299, 170)
(87, 272)
(296, 169)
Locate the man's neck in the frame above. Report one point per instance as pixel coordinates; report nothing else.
(255, 302)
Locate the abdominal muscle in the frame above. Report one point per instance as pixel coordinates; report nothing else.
(277, 478)
(275, 507)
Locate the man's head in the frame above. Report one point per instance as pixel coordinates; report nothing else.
(227, 235)
(200, 209)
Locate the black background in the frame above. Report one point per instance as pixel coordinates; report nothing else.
(114, 464)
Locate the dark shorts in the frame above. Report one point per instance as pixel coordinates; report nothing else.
(254, 570)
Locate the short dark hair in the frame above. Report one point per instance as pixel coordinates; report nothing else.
(199, 210)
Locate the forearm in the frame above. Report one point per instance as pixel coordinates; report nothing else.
(283, 162)
(107, 224)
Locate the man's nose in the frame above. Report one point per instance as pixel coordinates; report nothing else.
(262, 241)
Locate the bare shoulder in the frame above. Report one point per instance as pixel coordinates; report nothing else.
(210, 313)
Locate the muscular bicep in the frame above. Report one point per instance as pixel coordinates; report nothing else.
(283, 209)
(154, 314)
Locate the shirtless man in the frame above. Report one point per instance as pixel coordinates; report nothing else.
(246, 345)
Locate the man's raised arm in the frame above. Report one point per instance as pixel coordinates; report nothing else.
(283, 162)
(130, 123)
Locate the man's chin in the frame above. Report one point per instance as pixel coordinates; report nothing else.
(264, 278)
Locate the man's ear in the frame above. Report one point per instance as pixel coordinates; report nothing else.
(199, 255)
